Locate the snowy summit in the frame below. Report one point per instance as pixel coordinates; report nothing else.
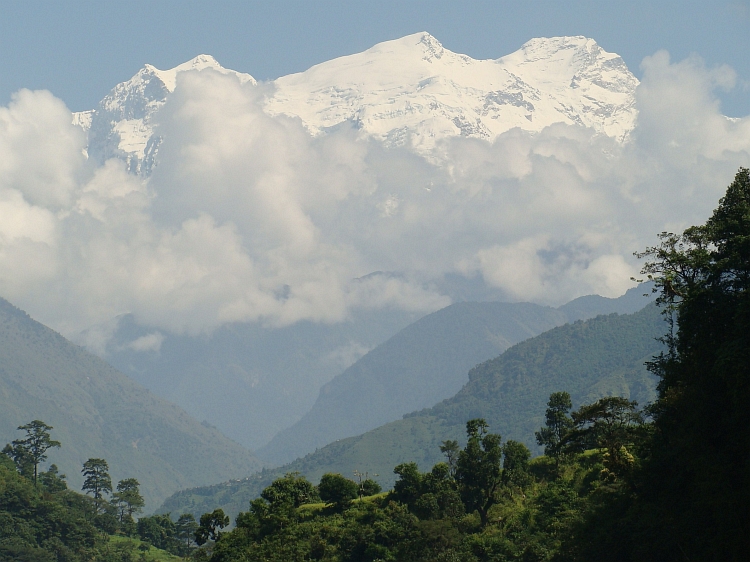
(411, 91)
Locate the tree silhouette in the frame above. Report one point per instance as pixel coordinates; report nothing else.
(97, 481)
(33, 449)
(128, 498)
(478, 471)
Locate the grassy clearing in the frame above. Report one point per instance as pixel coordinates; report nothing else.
(153, 554)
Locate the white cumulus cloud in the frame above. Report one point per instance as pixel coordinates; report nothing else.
(248, 217)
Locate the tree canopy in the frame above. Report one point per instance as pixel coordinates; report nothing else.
(699, 472)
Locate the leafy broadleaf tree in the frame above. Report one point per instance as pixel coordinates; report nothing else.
(33, 448)
(337, 490)
(516, 458)
(210, 526)
(612, 423)
(697, 481)
(159, 530)
(97, 481)
(478, 471)
(291, 490)
(451, 450)
(52, 480)
(21, 459)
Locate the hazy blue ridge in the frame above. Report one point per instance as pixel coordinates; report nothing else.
(247, 379)
(592, 358)
(96, 411)
(426, 362)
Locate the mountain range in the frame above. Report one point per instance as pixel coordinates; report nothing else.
(253, 381)
(425, 363)
(410, 91)
(602, 356)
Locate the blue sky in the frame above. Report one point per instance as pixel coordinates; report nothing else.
(80, 49)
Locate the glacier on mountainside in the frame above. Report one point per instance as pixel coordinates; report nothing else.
(410, 91)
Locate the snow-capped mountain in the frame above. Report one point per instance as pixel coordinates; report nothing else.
(122, 125)
(410, 91)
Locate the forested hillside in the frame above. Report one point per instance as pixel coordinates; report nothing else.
(97, 411)
(425, 363)
(599, 357)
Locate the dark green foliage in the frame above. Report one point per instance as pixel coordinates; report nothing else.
(97, 481)
(41, 524)
(557, 424)
(696, 482)
(159, 531)
(292, 490)
(185, 528)
(210, 526)
(369, 487)
(610, 423)
(336, 490)
(516, 458)
(33, 449)
(450, 449)
(127, 499)
(52, 480)
(478, 468)
(21, 459)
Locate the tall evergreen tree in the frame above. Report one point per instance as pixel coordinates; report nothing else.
(97, 481)
(128, 498)
(33, 448)
(558, 424)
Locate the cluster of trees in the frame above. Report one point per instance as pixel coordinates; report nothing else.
(29, 452)
(42, 520)
(488, 501)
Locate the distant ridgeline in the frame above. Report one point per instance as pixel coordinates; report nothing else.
(589, 359)
(425, 363)
(96, 411)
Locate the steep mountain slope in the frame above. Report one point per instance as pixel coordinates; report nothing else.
(97, 411)
(425, 363)
(589, 359)
(248, 380)
(410, 91)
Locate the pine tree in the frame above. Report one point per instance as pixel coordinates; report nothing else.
(97, 481)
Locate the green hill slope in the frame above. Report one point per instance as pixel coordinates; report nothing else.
(96, 411)
(589, 359)
(425, 363)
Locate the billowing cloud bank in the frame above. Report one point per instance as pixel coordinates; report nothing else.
(249, 218)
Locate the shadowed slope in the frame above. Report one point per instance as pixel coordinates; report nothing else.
(96, 411)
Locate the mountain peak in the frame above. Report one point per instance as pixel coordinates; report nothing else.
(410, 91)
(201, 62)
